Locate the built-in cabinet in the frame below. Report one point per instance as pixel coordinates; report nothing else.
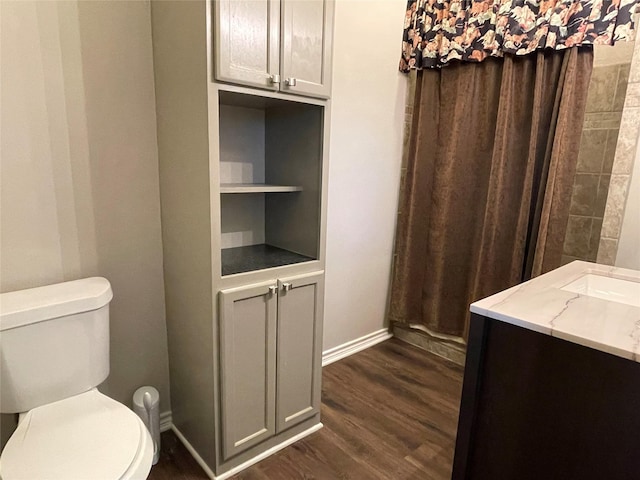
(270, 353)
(280, 45)
(243, 185)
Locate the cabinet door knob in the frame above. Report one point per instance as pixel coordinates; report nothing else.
(274, 79)
(286, 287)
(291, 82)
(273, 290)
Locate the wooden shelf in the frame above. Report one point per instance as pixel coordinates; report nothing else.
(257, 188)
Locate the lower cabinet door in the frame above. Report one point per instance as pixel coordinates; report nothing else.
(299, 349)
(247, 366)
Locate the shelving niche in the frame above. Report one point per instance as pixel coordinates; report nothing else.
(270, 181)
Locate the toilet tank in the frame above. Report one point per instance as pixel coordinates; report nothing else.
(54, 342)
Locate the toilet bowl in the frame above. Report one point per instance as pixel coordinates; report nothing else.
(54, 350)
(87, 436)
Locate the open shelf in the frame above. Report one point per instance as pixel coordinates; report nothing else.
(270, 174)
(257, 188)
(257, 257)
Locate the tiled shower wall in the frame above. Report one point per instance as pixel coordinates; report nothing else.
(600, 130)
(622, 164)
(408, 118)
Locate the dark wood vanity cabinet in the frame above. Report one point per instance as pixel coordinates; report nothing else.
(538, 407)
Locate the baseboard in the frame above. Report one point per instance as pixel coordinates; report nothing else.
(268, 453)
(354, 346)
(166, 421)
(194, 454)
(248, 463)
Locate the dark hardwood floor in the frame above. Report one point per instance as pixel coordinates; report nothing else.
(389, 412)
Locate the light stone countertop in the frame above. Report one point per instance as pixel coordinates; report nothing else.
(543, 306)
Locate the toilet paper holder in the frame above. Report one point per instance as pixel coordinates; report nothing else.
(146, 404)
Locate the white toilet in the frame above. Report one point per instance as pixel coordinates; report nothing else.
(54, 351)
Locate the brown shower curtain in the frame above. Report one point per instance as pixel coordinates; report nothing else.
(492, 155)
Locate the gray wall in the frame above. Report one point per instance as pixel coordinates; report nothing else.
(79, 169)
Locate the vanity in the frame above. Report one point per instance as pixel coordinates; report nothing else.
(552, 379)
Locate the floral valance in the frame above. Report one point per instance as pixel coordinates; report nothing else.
(438, 31)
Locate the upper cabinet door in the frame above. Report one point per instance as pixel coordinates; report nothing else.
(247, 366)
(299, 349)
(246, 41)
(306, 47)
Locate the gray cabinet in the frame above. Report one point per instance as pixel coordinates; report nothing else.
(243, 183)
(299, 349)
(248, 365)
(269, 381)
(247, 39)
(306, 46)
(280, 45)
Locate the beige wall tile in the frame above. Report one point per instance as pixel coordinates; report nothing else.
(633, 95)
(594, 240)
(585, 193)
(626, 147)
(596, 120)
(621, 163)
(593, 146)
(610, 151)
(403, 178)
(601, 96)
(617, 195)
(567, 259)
(576, 243)
(450, 349)
(615, 206)
(408, 119)
(611, 225)
(607, 251)
(621, 87)
(601, 196)
(617, 54)
(634, 74)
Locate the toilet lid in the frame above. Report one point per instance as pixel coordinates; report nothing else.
(85, 436)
